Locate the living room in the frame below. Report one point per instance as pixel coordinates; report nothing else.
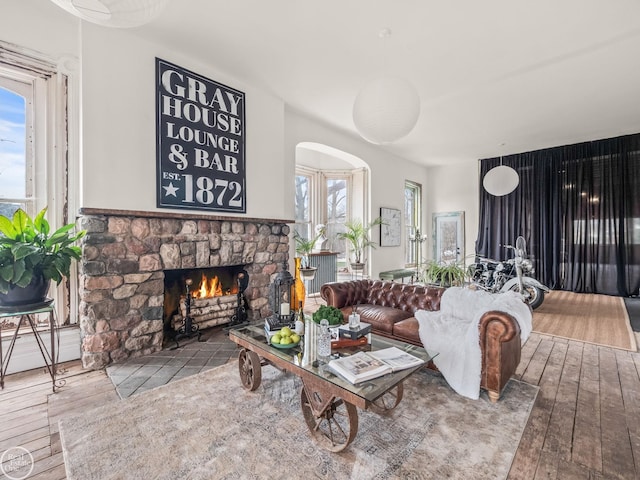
(101, 159)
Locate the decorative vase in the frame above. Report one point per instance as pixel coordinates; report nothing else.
(298, 291)
(32, 294)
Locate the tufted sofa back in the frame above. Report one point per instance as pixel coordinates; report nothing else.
(405, 296)
(409, 298)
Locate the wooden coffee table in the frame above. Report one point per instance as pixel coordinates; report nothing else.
(328, 401)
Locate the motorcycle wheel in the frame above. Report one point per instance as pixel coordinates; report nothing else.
(533, 296)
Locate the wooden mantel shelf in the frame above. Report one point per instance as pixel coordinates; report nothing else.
(177, 215)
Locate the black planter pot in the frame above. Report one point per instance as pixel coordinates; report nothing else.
(34, 293)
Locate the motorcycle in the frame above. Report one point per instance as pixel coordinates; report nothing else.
(513, 274)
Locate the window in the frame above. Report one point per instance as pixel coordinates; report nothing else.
(303, 206)
(16, 185)
(336, 210)
(412, 196)
(36, 164)
(322, 197)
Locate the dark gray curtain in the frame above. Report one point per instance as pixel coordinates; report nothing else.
(578, 207)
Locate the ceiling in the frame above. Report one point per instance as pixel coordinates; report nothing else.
(494, 77)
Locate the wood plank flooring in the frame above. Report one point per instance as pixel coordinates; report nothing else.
(585, 423)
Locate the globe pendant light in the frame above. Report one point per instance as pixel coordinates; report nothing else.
(114, 13)
(501, 180)
(386, 110)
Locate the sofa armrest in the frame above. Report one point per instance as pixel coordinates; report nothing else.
(499, 325)
(343, 294)
(501, 347)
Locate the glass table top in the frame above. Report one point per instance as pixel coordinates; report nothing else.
(304, 356)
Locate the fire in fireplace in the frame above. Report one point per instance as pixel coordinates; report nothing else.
(214, 296)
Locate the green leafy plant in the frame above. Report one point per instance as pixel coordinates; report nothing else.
(28, 249)
(304, 247)
(445, 274)
(357, 234)
(332, 314)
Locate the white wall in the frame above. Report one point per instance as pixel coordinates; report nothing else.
(39, 25)
(388, 174)
(453, 188)
(119, 126)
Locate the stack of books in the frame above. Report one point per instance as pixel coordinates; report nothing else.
(356, 332)
(275, 323)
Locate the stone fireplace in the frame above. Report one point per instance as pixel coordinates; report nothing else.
(126, 256)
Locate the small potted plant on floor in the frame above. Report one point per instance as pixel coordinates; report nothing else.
(445, 274)
(303, 248)
(31, 256)
(358, 235)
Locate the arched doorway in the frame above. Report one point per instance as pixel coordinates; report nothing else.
(332, 186)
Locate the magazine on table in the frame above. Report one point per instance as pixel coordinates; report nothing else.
(363, 366)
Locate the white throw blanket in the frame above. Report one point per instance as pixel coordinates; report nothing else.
(453, 333)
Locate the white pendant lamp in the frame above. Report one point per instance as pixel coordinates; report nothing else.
(501, 180)
(386, 110)
(114, 13)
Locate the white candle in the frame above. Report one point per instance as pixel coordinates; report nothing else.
(284, 309)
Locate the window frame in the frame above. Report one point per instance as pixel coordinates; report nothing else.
(412, 251)
(53, 153)
(318, 194)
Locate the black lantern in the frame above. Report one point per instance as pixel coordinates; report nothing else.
(280, 295)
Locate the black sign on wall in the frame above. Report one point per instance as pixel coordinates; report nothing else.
(200, 142)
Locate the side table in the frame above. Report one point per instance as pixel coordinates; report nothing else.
(26, 314)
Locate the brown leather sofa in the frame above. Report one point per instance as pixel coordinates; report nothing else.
(390, 307)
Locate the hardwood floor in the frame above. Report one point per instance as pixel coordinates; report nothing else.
(584, 425)
(585, 422)
(29, 414)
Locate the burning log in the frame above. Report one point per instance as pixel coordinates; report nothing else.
(206, 312)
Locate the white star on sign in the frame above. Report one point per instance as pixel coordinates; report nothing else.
(170, 190)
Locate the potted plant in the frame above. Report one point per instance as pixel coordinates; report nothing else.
(31, 256)
(332, 314)
(357, 234)
(445, 274)
(303, 248)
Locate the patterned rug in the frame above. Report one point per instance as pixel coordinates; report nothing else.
(208, 427)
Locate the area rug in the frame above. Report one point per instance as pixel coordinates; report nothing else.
(208, 427)
(586, 317)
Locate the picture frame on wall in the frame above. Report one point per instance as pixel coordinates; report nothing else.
(390, 227)
(200, 159)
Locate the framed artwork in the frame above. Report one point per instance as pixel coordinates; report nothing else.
(200, 149)
(390, 227)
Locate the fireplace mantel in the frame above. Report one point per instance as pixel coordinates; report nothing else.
(125, 254)
(177, 215)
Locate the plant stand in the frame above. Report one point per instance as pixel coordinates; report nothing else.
(27, 317)
(357, 268)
